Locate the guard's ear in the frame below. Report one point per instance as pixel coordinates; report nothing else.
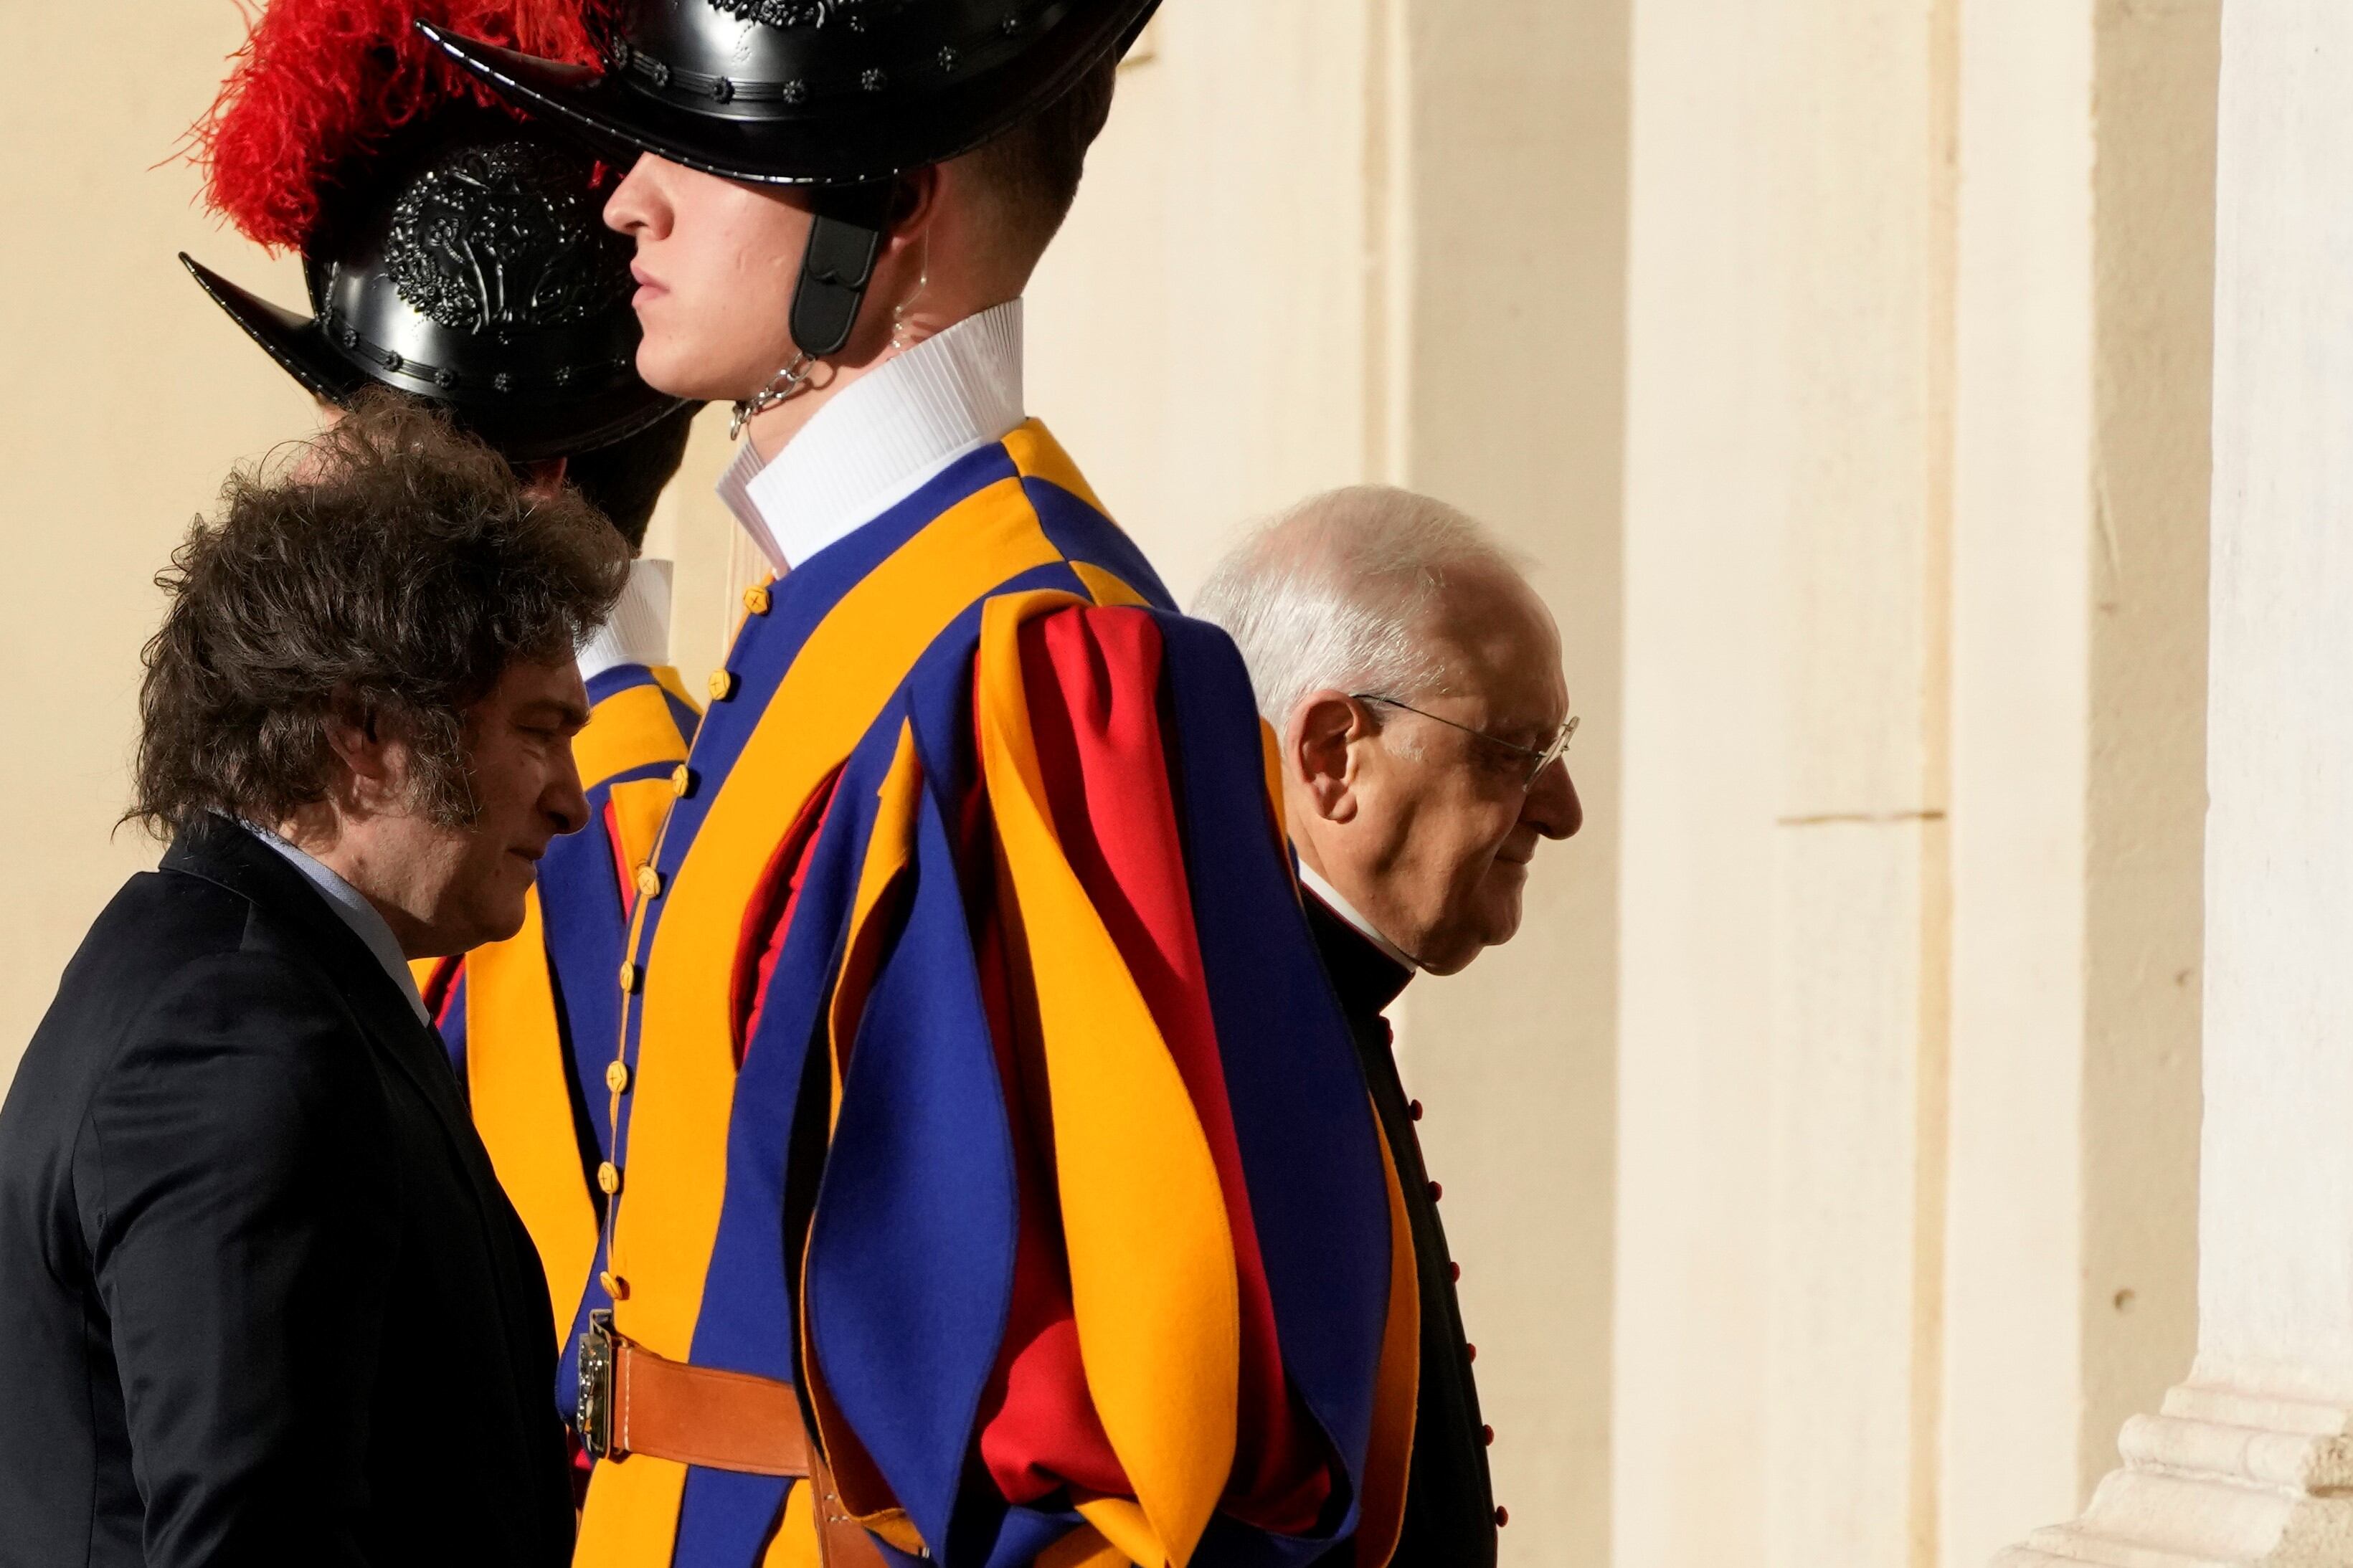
(1320, 751)
(915, 197)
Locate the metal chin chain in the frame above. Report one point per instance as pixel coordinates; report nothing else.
(783, 386)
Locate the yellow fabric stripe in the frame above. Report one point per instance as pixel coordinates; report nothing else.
(1083, 1548)
(515, 1078)
(1271, 757)
(1106, 587)
(630, 1520)
(1388, 1456)
(1038, 456)
(794, 1543)
(639, 808)
(667, 678)
(1122, 1525)
(676, 1159)
(1151, 1255)
(628, 730)
(421, 971)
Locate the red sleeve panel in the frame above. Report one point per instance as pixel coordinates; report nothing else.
(1092, 679)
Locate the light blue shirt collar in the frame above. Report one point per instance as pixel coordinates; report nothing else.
(352, 906)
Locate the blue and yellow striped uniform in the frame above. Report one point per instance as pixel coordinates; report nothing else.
(976, 1073)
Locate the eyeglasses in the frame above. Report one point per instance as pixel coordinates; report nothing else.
(1540, 758)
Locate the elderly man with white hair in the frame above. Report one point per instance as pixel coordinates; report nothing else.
(1412, 678)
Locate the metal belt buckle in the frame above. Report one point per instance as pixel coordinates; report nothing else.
(594, 1413)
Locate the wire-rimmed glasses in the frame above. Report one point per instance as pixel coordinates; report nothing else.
(1539, 757)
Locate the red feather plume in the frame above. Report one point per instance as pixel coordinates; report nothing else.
(319, 84)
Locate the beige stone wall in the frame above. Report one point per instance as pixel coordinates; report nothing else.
(1822, 1156)
(127, 397)
(1915, 523)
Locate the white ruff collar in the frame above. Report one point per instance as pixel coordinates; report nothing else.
(876, 443)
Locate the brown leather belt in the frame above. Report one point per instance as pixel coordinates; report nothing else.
(635, 1402)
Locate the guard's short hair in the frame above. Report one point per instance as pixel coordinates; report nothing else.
(1338, 593)
(386, 574)
(625, 479)
(1034, 169)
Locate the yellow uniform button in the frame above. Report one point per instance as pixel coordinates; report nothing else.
(756, 599)
(617, 1076)
(681, 780)
(629, 976)
(608, 1177)
(649, 881)
(722, 685)
(614, 1286)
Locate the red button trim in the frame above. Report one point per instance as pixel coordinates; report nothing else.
(1469, 1351)
(1455, 1271)
(1487, 1436)
(1502, 1516)
(1436, 1192)
(1414, 1109)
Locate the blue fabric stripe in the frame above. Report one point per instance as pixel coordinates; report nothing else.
(599, 793)
(683, 714)
(1083, 534)
(617, 678)
(727, 1517)
(911, 1256)
(1017, 1536)
(453, 1027)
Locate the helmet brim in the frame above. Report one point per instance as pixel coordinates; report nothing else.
(612, 111)
(527, 430)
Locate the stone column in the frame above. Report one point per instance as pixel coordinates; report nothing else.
(2252, 1460)
(1784, 906)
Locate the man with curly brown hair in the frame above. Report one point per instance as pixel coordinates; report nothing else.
(266, 1304)
(454, 256)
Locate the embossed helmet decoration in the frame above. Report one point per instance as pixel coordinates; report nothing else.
(451, 251)
(838, 95)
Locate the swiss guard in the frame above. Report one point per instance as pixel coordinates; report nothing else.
(995, 1181)
(454, 253)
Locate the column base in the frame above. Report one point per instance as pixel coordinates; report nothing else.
(2220, 1479)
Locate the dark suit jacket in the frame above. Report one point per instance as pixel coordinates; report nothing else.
(262, 1301)
(1450, 1505)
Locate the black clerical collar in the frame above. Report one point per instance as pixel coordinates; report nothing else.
(1367, 979)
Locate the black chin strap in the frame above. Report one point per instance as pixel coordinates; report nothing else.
(838, 264)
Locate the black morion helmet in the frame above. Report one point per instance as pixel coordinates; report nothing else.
(472, 269)
(841, 96)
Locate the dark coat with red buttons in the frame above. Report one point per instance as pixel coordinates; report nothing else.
(1449, 1506)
